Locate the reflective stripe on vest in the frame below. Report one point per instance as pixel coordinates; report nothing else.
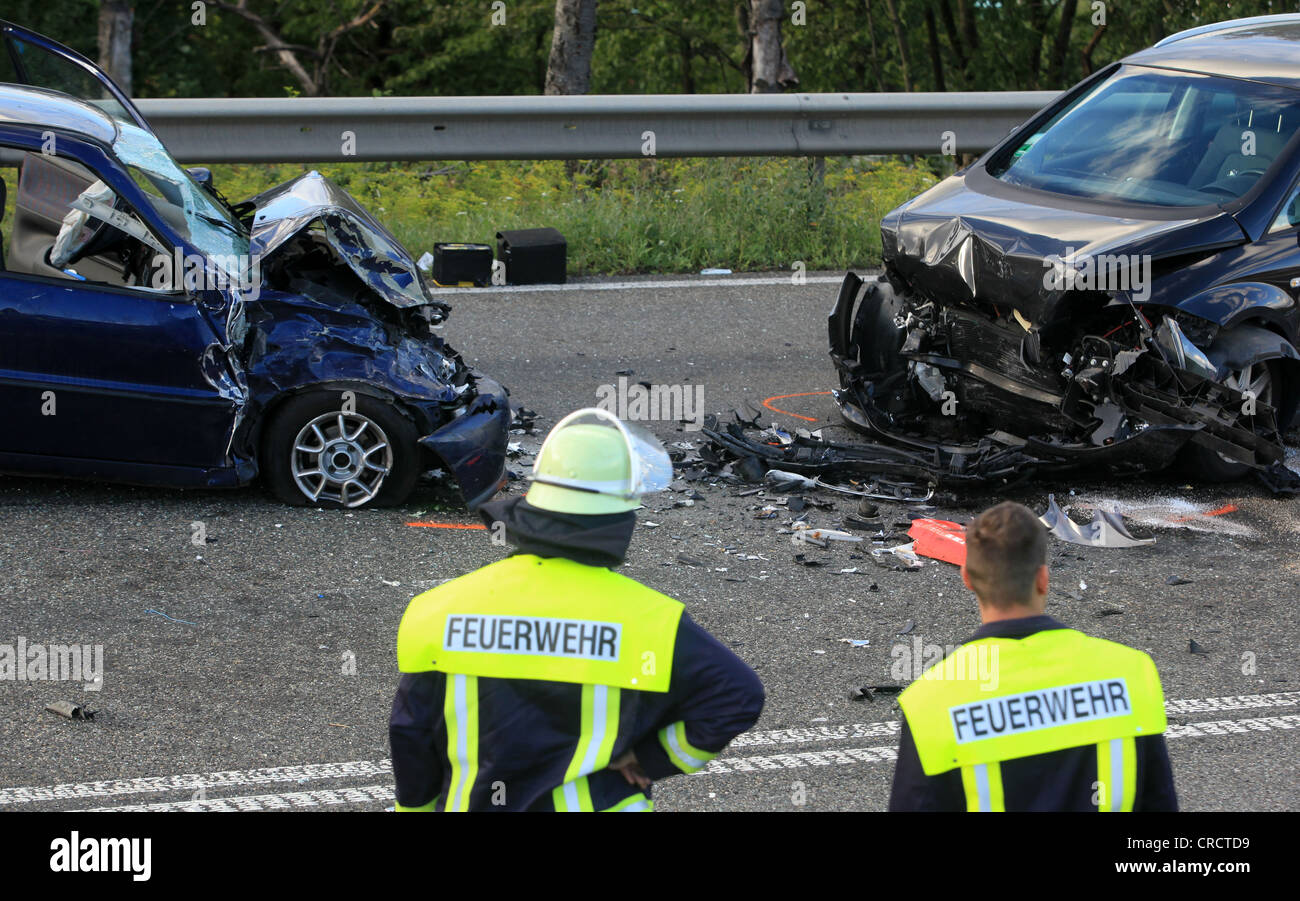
(460, 712)
(600, 708)
(552, 619)
(983, 786)
(999, 698)
(1116, 775)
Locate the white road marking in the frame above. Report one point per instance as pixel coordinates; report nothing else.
(661, 285)
(1226, 727)
(723, 765)
(194, 781)
(716, 767)
(360, 794)
(356, 769)
(873, 730)
(1233, 702)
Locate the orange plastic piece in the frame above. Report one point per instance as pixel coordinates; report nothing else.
(939, 539)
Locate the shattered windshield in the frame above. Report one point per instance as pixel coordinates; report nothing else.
(181, 201)
(1154, 137)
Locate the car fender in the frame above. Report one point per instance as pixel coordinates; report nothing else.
(1249, 343)
(1227, 305)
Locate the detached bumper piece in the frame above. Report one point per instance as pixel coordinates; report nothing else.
(473, 445)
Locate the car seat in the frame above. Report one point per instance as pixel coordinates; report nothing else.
(1224, 157)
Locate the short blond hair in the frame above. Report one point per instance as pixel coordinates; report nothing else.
(1005, 546)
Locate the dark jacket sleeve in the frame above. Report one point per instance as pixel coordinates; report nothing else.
(913, 790)
(714, 696)
(412, 738)
(1156, 793)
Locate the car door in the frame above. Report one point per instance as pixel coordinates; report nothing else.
(94, 370)
(33, 59)
(1275, 257)
(98, 372)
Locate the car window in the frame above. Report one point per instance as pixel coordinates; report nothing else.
(1157, 137)
(67, 223)
(1289, 217)
(29, 63)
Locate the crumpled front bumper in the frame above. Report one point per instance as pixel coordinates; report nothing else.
(473, 445)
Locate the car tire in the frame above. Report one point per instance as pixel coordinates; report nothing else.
(1210, 466)
(364, 453)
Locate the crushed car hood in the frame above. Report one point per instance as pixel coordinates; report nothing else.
(359, 240)
(954, 241)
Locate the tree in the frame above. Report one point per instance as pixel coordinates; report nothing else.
(769, 70)
(312, 83)
(569, 69)
(115, 19)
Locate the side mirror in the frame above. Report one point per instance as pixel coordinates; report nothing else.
(202, 175)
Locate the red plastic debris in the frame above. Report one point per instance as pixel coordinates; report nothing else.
(939, 539)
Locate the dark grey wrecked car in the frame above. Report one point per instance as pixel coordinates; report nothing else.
(1115, 284)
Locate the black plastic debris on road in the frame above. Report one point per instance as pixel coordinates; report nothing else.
(70, 711)
(869, 692)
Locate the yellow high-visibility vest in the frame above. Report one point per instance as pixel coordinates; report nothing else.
(999, 699)
(529, 617)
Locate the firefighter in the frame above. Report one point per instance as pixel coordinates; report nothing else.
(548, 681)
(1029, 714)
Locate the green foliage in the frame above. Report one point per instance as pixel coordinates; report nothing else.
(626, 216)
(460, 47)
(631, 215)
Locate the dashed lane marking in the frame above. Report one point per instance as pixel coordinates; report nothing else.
(361, 794)
(363, 769)
(718, 767)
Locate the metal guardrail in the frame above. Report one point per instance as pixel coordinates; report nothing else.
(310, 129)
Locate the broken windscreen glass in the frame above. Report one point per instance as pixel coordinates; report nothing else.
(180, 200)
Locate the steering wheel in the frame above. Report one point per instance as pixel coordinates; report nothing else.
(101, 237)
(1219, 186)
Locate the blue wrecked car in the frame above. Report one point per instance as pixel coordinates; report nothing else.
(151, 332)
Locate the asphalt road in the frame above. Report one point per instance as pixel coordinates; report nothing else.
(256, 671)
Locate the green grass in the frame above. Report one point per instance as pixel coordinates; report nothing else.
(632, 216)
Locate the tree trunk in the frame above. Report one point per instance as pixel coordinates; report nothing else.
(1087, 51)
(954, 37)
(770, 70)
(1038, 25)
(969, 30)
(1063, 28)
(115, 17)
(688, 73)
(875, 52)
(936, 58)
(569, 68)
(901, 39)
